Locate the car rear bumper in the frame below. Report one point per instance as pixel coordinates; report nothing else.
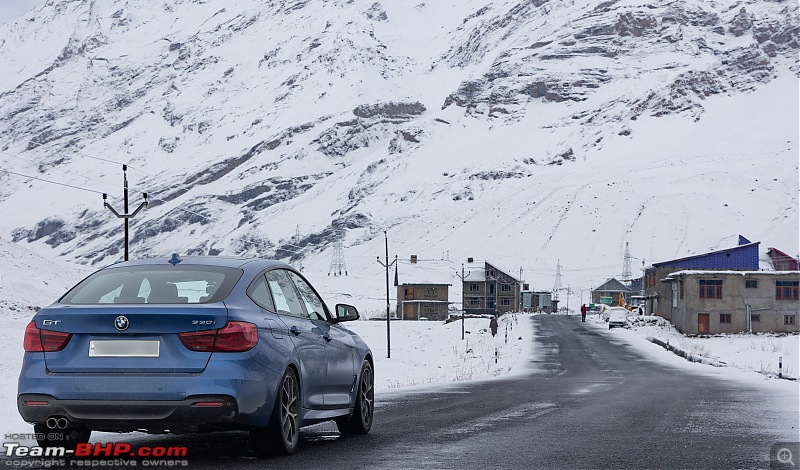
(247, 385)
(192, 414)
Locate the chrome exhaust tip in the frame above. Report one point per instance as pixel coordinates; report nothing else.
(57, 422)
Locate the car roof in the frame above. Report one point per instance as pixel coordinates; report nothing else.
(225, 261)
(618, 309)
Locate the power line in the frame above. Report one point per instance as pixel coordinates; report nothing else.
(95, 180)
(53, 182)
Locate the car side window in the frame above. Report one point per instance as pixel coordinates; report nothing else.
(259, 292)
(283, 294)
(314, 305)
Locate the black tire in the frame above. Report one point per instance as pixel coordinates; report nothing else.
(281, 436)
(360, 422)
(68, 438)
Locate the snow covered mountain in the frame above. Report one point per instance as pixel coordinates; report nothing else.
(523, 132)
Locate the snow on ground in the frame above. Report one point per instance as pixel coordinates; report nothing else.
(757, 352)
(424, 354)
(433, 353)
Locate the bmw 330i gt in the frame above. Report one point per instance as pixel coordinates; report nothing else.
(192, 345)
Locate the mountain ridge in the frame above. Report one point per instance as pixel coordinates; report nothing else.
(477, 127)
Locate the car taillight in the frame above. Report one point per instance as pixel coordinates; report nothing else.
(237, 336)
(37, 340)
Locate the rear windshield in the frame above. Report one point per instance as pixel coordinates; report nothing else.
(187, 284)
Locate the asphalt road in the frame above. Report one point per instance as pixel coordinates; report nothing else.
(589, 401)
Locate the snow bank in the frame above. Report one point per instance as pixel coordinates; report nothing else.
(756, 352)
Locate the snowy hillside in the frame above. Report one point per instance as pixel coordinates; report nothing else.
(524, 133)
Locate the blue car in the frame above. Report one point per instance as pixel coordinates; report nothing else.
(191, 345)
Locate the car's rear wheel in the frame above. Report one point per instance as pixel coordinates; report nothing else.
(360, 422)
(281, 436)
(68, 437)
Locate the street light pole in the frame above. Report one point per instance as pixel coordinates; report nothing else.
(387, 265)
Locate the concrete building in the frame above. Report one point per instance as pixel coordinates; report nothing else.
(423, 288)
(608, 293)
(489, 290)
(539, 301)
(743, 257)
(783, 262)
(713, 302)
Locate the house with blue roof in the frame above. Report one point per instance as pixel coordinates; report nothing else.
(723, 291)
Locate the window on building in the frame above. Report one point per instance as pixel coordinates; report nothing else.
(751, 284)
(505, 302)
(430, 292)
(787, 290)
(788, 319)
(724, 317)
(506, 288)
(755, 317)
(674, 294)
(710, 288)
(474, 287)
(430, 309)
(474, 301)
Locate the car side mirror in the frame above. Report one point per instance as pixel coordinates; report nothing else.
(346, 312)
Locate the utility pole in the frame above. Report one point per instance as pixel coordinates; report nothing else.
(387, 265)
(569, 291)
(520, 289)
(463, 299)
(125, 215)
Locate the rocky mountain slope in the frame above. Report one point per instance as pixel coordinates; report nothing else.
(525, 132)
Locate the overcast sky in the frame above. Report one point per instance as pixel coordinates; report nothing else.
(13, 9)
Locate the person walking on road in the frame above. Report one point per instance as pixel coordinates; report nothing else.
(583, 312)
(493, 325)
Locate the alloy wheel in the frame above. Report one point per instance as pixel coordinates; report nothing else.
(289, 409)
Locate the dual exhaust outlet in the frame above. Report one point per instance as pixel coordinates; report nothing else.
(57, 422)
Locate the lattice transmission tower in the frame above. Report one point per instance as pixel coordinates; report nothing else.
(557, 287)
(337, 261)
(627, 272)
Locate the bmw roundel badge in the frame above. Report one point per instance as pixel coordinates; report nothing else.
(121, 322)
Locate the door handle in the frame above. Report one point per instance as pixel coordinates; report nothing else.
(327, 337)
(294, 330)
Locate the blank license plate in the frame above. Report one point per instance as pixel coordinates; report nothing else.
(124, 348)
